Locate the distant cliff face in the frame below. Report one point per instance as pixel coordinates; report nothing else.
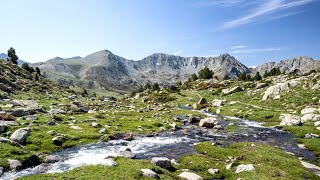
(114, 72)
(300, 65)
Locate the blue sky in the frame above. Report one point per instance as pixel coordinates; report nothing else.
(252, 31)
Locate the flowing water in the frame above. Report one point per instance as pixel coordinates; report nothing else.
(171, 144)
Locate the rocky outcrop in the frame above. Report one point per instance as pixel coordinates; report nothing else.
(231, 90)
(148, 173)
(276, 90)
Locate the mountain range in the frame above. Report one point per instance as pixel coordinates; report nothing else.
(109, 71)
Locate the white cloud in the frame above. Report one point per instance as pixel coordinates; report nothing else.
(239, 47)
(177, 53)
(257, 50)
(267, 7)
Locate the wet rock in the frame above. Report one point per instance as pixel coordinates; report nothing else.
(231, 90)
(311, 135)
(290, 120)
(194, 119)
(3, 128)
(148, 173)
(162, 162)
(20, 135)
(208, 122)
(15, 165)
(309, 110)
(127, 153)
(213, 171)
(244, 167)
(95, 125)
(190, 176)
(52, 159)
(124, 136)
(310, 117)
(218, 103)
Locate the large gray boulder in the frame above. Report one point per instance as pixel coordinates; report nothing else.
(52, 159)
(20, 135)
(208, 122)
(15, 165)
(218, 103)
(190, 176)
(161, 162)
(148, 173)
(244, 167)
(310, 117)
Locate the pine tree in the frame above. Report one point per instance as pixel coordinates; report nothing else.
(12, 57)
(257, 77)
(194, 77)
(155, 87)
(38, 71)
(205, 73)
(25, 66)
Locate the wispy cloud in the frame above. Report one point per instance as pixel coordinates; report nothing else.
(177, 53)
(238, 47)
(266, 8)
(254, 50)
(220, 3)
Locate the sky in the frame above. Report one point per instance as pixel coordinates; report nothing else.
(253, 31)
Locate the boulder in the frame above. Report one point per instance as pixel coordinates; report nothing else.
(124, 136)
(310, 117)
(92, 112)
(31, 117)
(208, 122)
(309, 110)
(59, 140)
(148, 173)
(218, 103)
(20, 135)
(3, 128)
(317, 123)
(213, 171)
(52, 159)
(202, 101)
(277, 97)
(95, 125)
(231, 90)
(161, 162)
(190, 176)
(19, 112)
(311, 135)
(15, 165)
(261, 85)
(244, 167)
(194, 119)
(52, 122)
(127, 153)
(276, 90)
(289, 120)
(8, 123)
(25, 103)
(13, 143)
(76, 127)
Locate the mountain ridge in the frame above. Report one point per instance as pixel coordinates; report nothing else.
(111, 71)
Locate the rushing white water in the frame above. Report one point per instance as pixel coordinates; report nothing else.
(94, 154)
